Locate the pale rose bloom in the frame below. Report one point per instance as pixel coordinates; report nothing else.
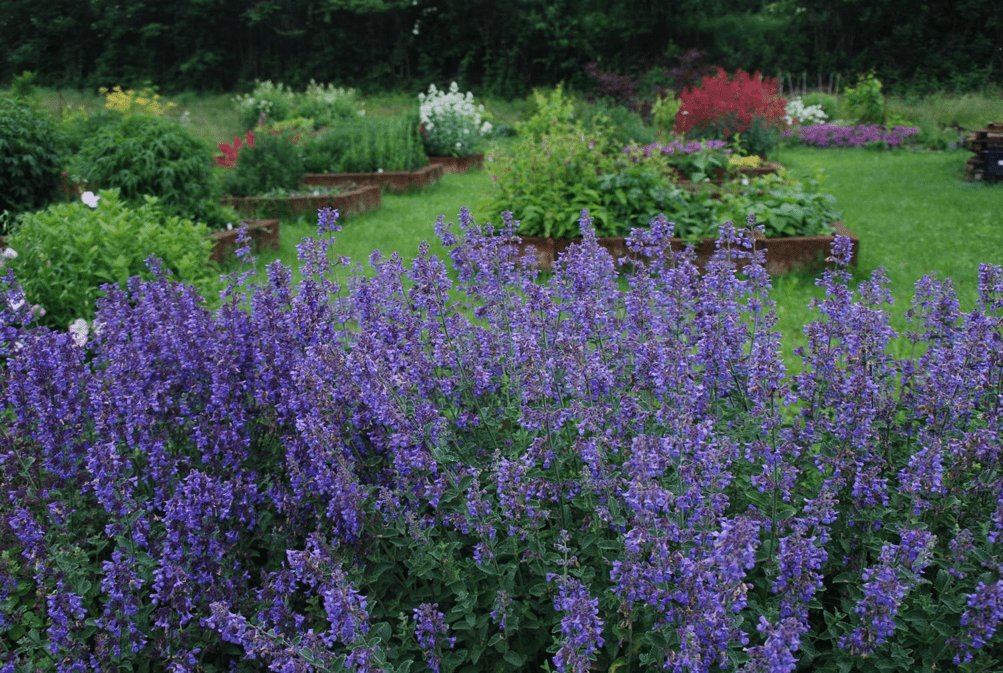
(90, 198)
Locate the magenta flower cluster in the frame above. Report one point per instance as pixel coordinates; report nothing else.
(861, 135)
(462, 466)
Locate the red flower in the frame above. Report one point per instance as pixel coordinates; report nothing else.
(230, 152)
(730, 103)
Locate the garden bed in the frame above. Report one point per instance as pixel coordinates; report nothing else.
(264, 234)
(458, 164)
(391, 181)
(353, 202)
(782, 254)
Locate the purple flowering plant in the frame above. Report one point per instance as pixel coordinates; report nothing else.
(462, 466)
(873, 136)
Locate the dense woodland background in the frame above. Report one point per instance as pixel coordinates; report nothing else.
(497, 48)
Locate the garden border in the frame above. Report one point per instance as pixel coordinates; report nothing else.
(353, 202)
(782, 254)
(264, 234)
(391, 181)
(458, 164)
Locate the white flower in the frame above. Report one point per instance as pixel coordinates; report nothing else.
(5, 254)
(15, 305)
(90, 198)
(78, 330)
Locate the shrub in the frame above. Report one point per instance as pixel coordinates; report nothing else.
(327, 104)
(150, 156)
(828, 103)
(274, 102)
(546, 182)
(367, 145)
(864, 102)
(663, 114)
(268, 162)
(621, 124)
(554, 113)
(322, 104)
(451, 125)
(726, 105)
(586, 474)
(29, 157)
(68, 251)
(801, 113)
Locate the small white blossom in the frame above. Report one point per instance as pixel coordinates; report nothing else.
(5, 254)
(90, 198)
(797, 112)
(78, 330)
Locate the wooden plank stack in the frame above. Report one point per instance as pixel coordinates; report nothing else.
(988, 148)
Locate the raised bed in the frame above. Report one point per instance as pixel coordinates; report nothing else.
(264, 234)
(390, 181)
(353, 202)
(782, 254)
(458, 164)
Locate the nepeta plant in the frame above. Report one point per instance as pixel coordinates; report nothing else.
(452, 466)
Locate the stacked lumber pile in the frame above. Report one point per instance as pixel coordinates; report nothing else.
(987, 164)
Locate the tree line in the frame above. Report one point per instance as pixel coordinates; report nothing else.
(500, 48)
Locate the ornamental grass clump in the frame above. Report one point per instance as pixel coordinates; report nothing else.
(452, 126)
(357, 472)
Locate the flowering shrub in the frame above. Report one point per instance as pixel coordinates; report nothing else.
(67, 252)
(798, 113)
(451, 124)
(267, 162)
(274, 102)
(693, 160)
(130, 102)
(831, 135)
(726, 105)
(582, 474)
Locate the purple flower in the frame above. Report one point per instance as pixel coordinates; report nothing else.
(429, 628)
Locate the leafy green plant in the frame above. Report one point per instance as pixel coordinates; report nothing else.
(144, 155)
(865, 102)
(327, 104)
(621, 124)
(29, 157)
(554, 112)
(367, 145)
(828, 103)
(783, 208)
(273, 161)
(546, 182)
(663, 113)
(67, 251)
(761, 138)
(275, 102)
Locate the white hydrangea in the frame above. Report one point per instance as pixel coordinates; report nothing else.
(797, 112)
(452, 123)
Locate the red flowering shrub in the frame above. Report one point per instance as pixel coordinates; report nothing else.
(725, 105)
(230, 152)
